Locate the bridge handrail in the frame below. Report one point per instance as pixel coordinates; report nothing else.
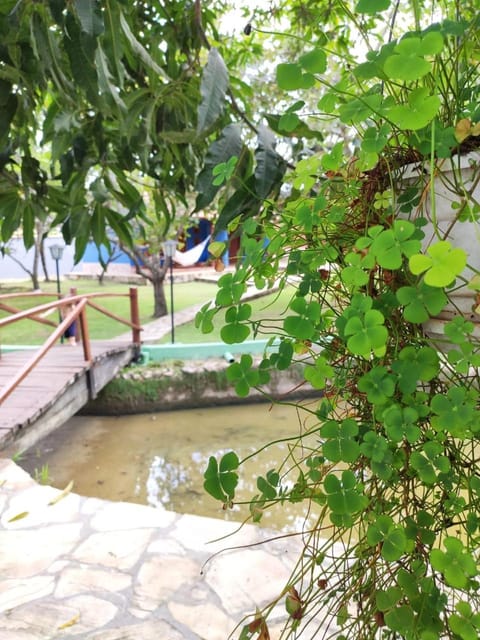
(45, 347)
(32, 312)
(79, 303)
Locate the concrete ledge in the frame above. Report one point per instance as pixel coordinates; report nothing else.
(204, 350)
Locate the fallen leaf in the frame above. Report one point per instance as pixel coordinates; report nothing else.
(69, 623)
(61, 495)
(19, 516)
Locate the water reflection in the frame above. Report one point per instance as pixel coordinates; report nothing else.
(159, 459)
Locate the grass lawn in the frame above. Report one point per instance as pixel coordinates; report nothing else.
(264, 308)
(26, 332)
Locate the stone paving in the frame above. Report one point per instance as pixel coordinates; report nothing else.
(75, 567)
(84, 568)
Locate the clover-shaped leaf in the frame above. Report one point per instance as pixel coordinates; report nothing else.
(421, 528)
(268, 486)
(204, 318)
(230, 290)
(314, 61)
(378, 384)
(340, 443)
(221, 479)
(401, 422)
(454, 412)
(318, 373)
(357, 273)
(442, 264)
(236, 330)
(224, 171)
(415, 364)
(427, 462)
(372, 6)
(367, 334)
(243, 376)
(391, 245)
(288, 122)
(357, 110)
(283, 358)
(374, 139)
(302, 326)
(455, 563)
(464, 357)
(458, 330)
(290, 77)
(420, 110)
(375, 447)
(465, 623)
(344, 495)
(408, 62)
(421, 302)
(393, 540)
(307, 218)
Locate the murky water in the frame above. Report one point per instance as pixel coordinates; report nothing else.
(159, 459)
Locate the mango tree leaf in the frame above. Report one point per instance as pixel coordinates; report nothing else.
(90, 16)
(105, 80)
(140, 50)
(11, 206)
(81, 53)
(270, 165)
(213, 89)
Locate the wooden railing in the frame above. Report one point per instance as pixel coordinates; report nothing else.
(77, 305)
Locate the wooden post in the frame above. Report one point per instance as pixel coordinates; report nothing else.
(87, 352)
(78, 329)
(134, 315)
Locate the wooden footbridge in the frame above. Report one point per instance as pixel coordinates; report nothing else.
(41, 388)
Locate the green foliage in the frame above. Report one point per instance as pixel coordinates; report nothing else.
(244, 376)
(220, 478)
(385, 463)
(213, 88)
(441, 265)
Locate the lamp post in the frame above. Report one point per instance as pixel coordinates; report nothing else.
(169, 248)
(56, 251)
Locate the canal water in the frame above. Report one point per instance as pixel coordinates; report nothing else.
(159, 459)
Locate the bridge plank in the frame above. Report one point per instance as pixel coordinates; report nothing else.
(61, 367)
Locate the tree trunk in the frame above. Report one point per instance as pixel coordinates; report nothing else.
(154, 269)
(34, 272)
(160, 301)
(43, 261)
